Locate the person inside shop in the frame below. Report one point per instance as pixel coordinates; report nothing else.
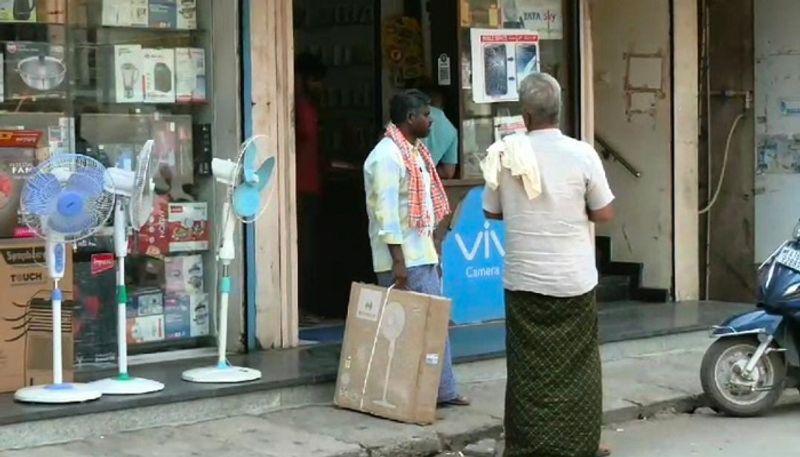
(443, 139)
(549, 189)
(309, 76)
(406, 202)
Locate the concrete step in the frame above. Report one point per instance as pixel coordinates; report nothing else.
(641, 377)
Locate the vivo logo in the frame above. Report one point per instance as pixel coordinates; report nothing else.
(486, 239)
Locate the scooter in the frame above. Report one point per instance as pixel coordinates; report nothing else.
(755, 357)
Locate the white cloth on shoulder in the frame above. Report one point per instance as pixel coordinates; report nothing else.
(515, 153)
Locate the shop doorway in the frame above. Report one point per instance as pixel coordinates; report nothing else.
(338, 118)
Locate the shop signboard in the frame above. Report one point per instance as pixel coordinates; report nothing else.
(543, 16)
(473, 255)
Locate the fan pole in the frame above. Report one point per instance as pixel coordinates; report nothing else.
(224, 372)
(121, 251)
(58, 369)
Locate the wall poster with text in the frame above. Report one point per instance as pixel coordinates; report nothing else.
(501, 59)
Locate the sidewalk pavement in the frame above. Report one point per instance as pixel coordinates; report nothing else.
(641, 378)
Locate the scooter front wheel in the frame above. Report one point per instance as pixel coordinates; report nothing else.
(731, 391)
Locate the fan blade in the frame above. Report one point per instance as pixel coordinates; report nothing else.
(265, 172)
(39, 194)
(88, 183)
(246, 201)
(70, 225)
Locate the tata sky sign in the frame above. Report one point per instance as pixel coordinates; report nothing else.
(473, 264)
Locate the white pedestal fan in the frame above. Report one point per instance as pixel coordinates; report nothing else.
(135, 192)
(65, 199)
(250, 185)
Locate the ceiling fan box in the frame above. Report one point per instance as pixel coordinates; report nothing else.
(26, 292)
(418, 324)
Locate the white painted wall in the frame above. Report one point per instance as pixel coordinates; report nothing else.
(643, 229)
(777, 50)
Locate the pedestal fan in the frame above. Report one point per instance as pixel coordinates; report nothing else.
(249, 185)
(135, 194)
(65, 199)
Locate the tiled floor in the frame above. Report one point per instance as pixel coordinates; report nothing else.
(319, 363)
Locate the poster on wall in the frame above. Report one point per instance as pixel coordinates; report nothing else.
(542, 16)
(501, 59)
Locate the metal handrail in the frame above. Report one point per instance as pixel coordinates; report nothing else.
(610, 153)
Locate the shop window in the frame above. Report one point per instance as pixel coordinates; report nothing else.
(515, 38)
(100, 78)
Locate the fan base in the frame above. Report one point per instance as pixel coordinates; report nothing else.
(57, 394)
(221, 375)
(129, 386)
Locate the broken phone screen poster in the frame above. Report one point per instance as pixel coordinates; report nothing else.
(501, 59)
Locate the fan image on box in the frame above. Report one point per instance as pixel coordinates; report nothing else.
(249, 185)
(65, 199)
(135, 196)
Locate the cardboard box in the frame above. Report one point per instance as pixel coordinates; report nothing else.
(184, 274)
(177, 317)
(187, 15)
(2, 80)
(125, 13)
(17, 11)
(188, 227)
(392, 353)
(147, 329)
(51, 11)
(15, 167)
(29, 58)
(96, 309)
(153, 239)
(128, 77)
(190, 75)
(39, 341)
(199, 315)
(163, 14)
(159, 75)
(145, 302)
(25, 316)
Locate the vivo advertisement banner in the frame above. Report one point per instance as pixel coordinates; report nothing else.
(473, 264)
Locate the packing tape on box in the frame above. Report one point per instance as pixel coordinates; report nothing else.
(374, 347)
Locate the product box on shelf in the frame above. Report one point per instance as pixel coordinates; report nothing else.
(188, 227)
(18, 10)
(153, 239)
(190, 75)
(159, 75)
(96, 308)
(146, 329)
(2, 80)
(202, 151)
(177, 317)
(34, 70)
(187, 14)
(145, 302)
(199, 316)
(128, 76)
(25, 316)
(51, 11)
(125, 13)
(16, 165)
(184, 274)
(164, 14)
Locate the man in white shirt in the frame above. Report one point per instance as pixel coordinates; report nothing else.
(554, 393)
(406, 202)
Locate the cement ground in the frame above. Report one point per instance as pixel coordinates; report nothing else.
(641, 378)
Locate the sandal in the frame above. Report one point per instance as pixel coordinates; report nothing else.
(458, 401)
(603, 452)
